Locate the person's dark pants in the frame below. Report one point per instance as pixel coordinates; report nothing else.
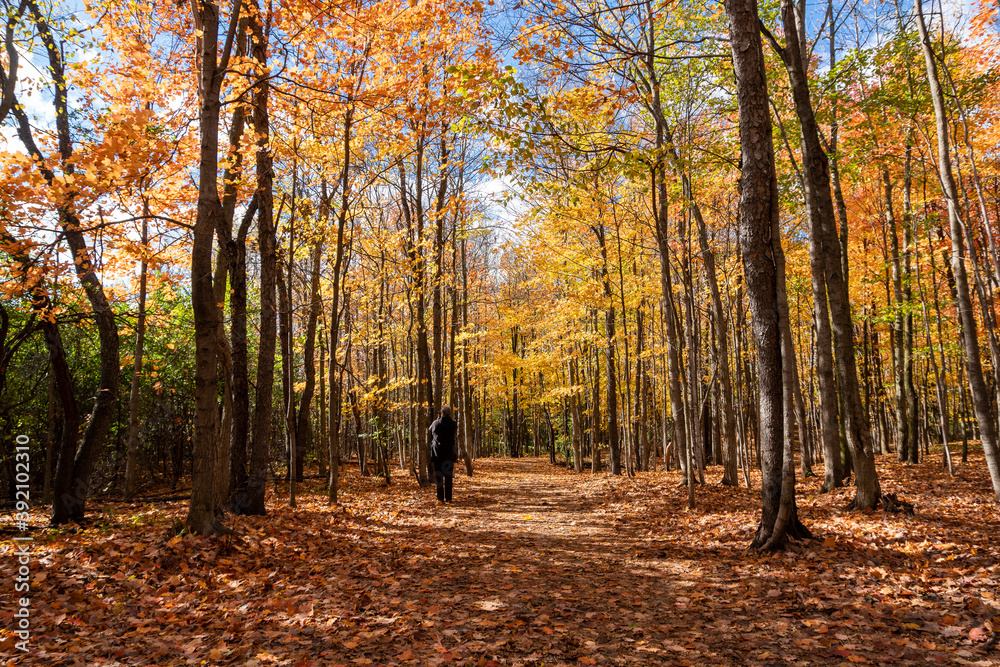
(444, 476)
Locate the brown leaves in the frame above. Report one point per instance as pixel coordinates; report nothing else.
(532, 565)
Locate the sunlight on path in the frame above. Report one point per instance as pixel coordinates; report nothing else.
(532, 566)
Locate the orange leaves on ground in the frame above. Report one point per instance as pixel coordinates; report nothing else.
(532, 565)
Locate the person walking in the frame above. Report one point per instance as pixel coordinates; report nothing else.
(444, 452)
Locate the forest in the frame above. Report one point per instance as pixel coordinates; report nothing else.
(710, 289)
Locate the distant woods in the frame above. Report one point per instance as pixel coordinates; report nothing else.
(247, 246)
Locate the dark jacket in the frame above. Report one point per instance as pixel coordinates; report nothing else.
(443, 432)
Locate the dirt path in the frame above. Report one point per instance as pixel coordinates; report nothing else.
(572, 577)
(531, 565)
(536, 565)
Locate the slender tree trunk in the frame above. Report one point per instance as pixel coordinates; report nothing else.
(908, 248)
(267, 331)
(74, 467)
(287, 375)
(939, 384)
(578, 432)
(817, 177)
(131, 474)
(425, 387)
(973, 364)
(322, 448)
(303, 426)
(905, 439)
(611, 385)
(718, 314)
(679, 434)
(467, 410)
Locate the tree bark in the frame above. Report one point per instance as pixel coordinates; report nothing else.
(209, 481)
(758, 232)
(303, 426)
(260, 448)
(963, 302)
(71, 482)
(140, 336)
(816, 172)
(611, 386)
(905, 438)
(467, 414)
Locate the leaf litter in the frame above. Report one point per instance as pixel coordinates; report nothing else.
(531, 565)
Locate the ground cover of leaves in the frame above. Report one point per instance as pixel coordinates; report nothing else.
(531, 565)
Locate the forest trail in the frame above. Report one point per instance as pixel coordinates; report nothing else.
(531, 565)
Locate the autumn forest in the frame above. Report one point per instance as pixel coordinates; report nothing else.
(710, 289)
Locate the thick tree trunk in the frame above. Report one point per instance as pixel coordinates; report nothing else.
(240, 375)
(787, 523)
(230, 263)
(209, 481)
(758, 231)
(70, 414)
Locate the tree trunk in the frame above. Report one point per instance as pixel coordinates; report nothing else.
(132, 452)
(905, 439)
(260, 448)
(322, 446)
(240, 377)
(69, 407)
(909, 247)
(467, 414)
(287, 378)
(981, 399)
(209, 481)
(71, 482)
(578, 433)
(614, 442)
(303, 427)
(758, 232)
(816, 173)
